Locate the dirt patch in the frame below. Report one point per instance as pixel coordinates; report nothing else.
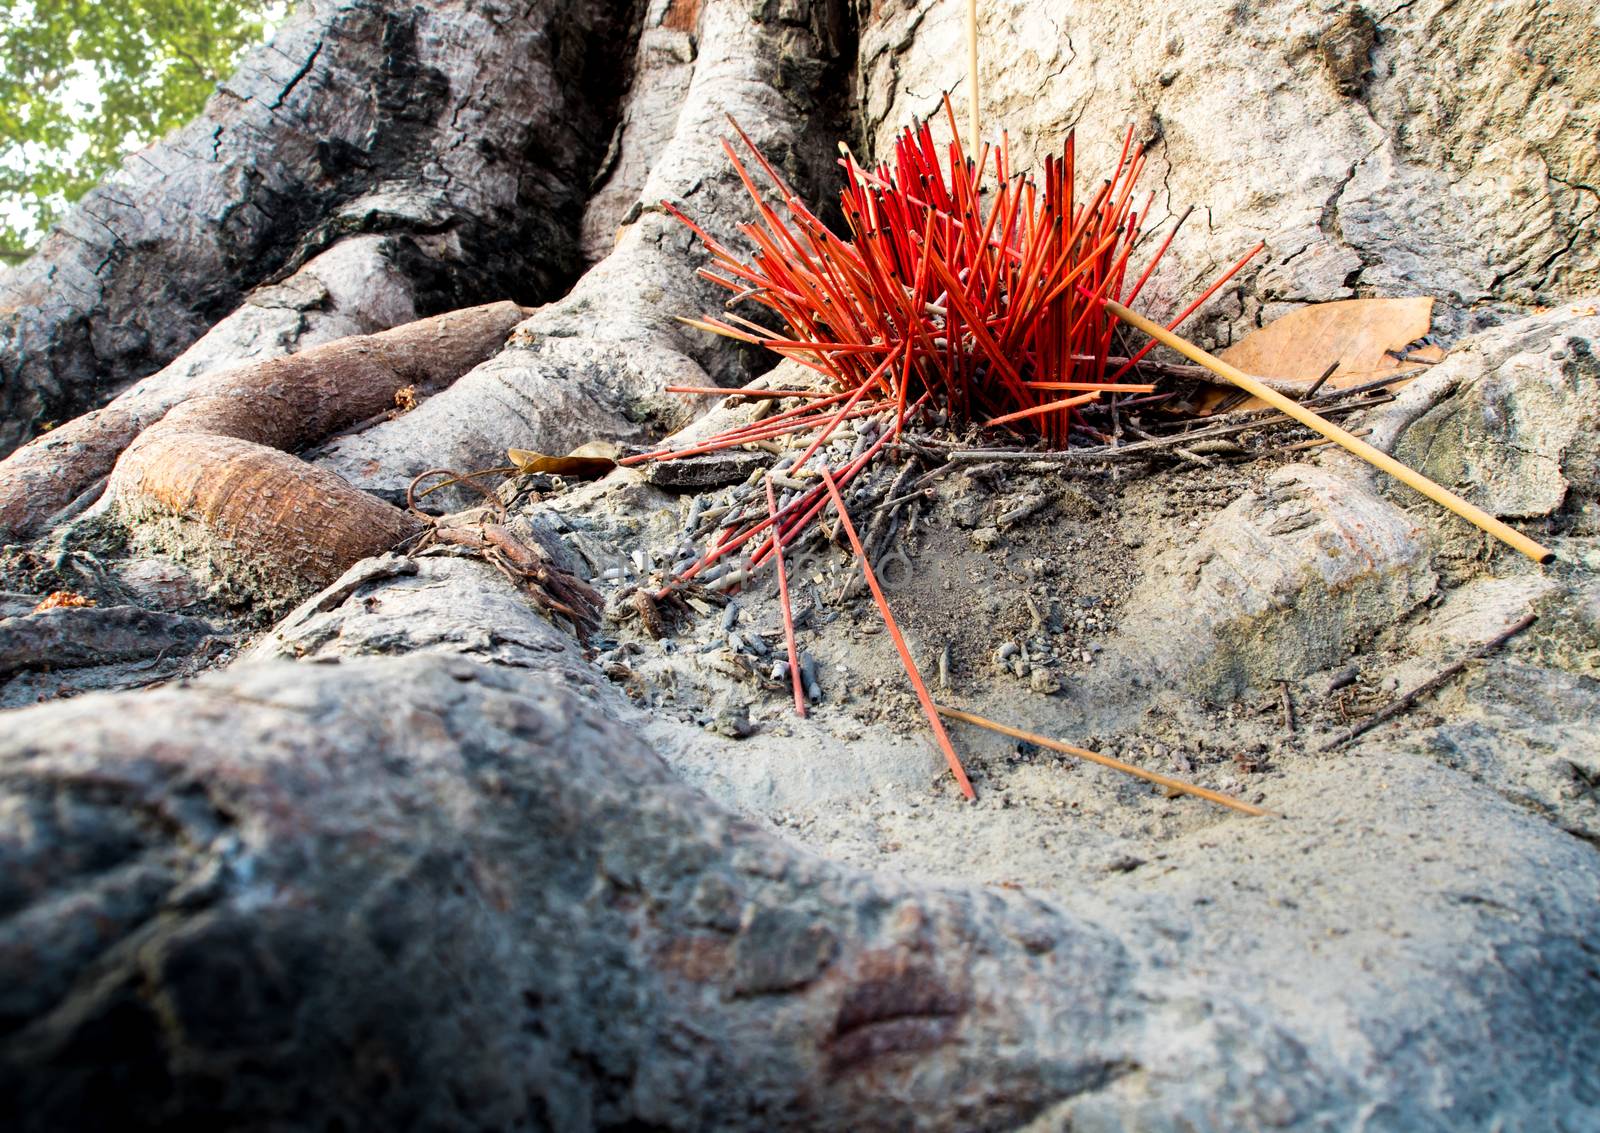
(1008, 582)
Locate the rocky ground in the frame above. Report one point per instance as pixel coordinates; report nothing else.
(1428, 888)
(1216, 623)
(1222, 625)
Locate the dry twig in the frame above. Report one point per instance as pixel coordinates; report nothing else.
(1400, 704)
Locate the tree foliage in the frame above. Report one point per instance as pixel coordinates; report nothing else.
(85, 82)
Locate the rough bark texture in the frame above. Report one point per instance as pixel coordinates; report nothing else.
(592, 365)
(467, 130)
(353, 288)
(92, 635)
(504, 911)
(223, 459)
(1425, 147)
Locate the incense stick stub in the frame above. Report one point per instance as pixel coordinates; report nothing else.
(973, 131)
(1166, 781)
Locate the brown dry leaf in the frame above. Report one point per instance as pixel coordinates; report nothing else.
(1297, 348)
(60, 599)
(586, 462)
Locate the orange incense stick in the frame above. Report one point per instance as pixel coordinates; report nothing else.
(1106, 761)
(783, 599)
(928, 706)
(1107, 387)
(1047, 407)
(808, 393)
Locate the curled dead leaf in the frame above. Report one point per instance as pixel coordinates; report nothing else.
(1358, 334)
(586, 462)
(62, 599)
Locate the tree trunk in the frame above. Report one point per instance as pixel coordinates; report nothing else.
(467, 132)
(592, 365)
(414, 859)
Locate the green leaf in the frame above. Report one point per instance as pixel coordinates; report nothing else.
(84, 83)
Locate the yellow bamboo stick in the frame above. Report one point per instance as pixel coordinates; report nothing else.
(1374, 456)
(1104, 761)
(972, 79)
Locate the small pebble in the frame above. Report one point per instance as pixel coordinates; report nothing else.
(986, 538)
(808, 674)
(733, 722)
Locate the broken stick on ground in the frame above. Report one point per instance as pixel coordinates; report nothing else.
(1400, 704)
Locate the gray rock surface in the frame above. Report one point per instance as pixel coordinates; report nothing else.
(1288, 580)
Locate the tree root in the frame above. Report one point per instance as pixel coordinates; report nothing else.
(594, 363)
(455, 889)
(353, 288)
(75, 636)
(557, 592)
(222, 459)
(430, 892)
(466, 132)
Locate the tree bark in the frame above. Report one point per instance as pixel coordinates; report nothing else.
(593, 364)
(457, 892)
(468, 131)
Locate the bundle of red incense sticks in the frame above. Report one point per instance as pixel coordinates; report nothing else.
(983, 305)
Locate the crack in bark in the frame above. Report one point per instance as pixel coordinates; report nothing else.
(294, 80)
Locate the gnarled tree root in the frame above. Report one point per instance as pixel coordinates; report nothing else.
(430, 893)
(93, 635)
(354, 288)
(466, 131)
(222, 459)
(593, 364)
